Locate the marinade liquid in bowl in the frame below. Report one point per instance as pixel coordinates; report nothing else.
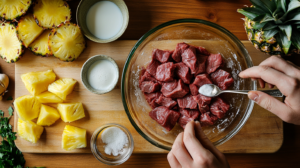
(195, 32)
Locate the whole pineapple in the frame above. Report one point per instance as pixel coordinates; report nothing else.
(273, 26)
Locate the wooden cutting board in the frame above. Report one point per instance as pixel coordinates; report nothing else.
(263, 132)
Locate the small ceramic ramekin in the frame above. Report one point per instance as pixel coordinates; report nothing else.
(97, 146)
(85, 69)
(82, 11)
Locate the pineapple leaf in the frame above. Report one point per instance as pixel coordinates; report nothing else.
(251, 13)
(270, 5)
(269, 26)
(270, 33)
(296, 39)
(293, 5)
(258, 25)
(287, 30)
(298, 26)
(284, 43)
(259, 4)
(266, 18)
(281, 4)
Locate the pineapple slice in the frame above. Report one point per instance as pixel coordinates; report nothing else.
(66, 42)
(29, 131)
(12, 9)
(71, 111)
(11, 48)
(27, 107)
(51, 13)
(48, 116)
(37, 82)
(73, 138)
(48, 97)
(28, 30)
(40, 45)
(62, 87)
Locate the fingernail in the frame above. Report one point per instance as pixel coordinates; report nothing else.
(196, 121)
(253, 96)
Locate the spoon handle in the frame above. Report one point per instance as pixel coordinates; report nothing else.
(274, 93)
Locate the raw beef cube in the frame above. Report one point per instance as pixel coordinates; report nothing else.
(147, 77)
(165, 117)
(202, 79)
(203, 102)
(187, 102)
(219, 107)
(165, 72)
(183, 120)
(152, 66)
(151, 97)
(201, 64)
(174, 90)
(208, 119)
(194, 89)
(149, 86)
(186, 116)
(213, 62)
(175, 108)
(222, 78)
(167, 102)
(178, 51)
(202, 51)
(183, 72)
(161, 55)
(143, 70)
(189, 58)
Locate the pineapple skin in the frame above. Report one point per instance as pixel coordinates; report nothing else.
(48, 116)
(70, 112)
(48, 97)
(19, 13)
(37, 82)
(20, 51)
(62, 87)
(40, 46)
(29, 131)
(27, 107)
(73, 138)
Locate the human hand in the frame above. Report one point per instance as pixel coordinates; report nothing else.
(284, 75)
(192, 149)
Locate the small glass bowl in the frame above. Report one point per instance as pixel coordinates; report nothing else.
(97, 146)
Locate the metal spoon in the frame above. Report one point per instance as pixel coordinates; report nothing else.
(211, 90)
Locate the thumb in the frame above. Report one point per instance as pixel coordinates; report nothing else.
(271, 104)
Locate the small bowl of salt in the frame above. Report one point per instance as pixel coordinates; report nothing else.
(112, 144)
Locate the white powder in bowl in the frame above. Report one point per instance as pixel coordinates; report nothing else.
(115, 140)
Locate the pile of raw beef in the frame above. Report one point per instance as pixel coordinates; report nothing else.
(171, 81)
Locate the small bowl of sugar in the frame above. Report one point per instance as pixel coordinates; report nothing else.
(112, 144)
(102, 21)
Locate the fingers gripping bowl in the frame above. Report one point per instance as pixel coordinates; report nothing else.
(215, 39)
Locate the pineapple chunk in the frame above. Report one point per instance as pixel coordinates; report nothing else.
(29, 131)
(62, 87)
(48, 116)
(71, 111)
(73, 137)
(27, 107)
(40, 45)
(12, 9)
(28, 30)
(48, 97)
(37, 82)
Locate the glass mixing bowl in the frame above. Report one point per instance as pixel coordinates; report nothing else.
(215, 39)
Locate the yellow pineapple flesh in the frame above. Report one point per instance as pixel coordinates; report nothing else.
(73, 138)
(51, 13)
(37, 82)
(48, 116)
(40, 45)
(66, 42)
(48, 97)
(70, 111)
(29, 130)
(62, 87)
(28, 30)
(12, 9)
(27, 107)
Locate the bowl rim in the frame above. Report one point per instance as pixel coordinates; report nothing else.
(239, 44)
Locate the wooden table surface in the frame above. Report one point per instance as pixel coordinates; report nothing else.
(144, 15)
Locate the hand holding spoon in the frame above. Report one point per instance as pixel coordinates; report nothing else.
(211, 90)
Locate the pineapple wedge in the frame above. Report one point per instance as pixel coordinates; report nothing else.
(70, 111)
(62, 87)
(40, 45)
(28, 30)
(12, 9)
(51, 13)
(48, 97)
(73, 138)
(27, 107)
(29, 131)
(48, 116)
(37, 82)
